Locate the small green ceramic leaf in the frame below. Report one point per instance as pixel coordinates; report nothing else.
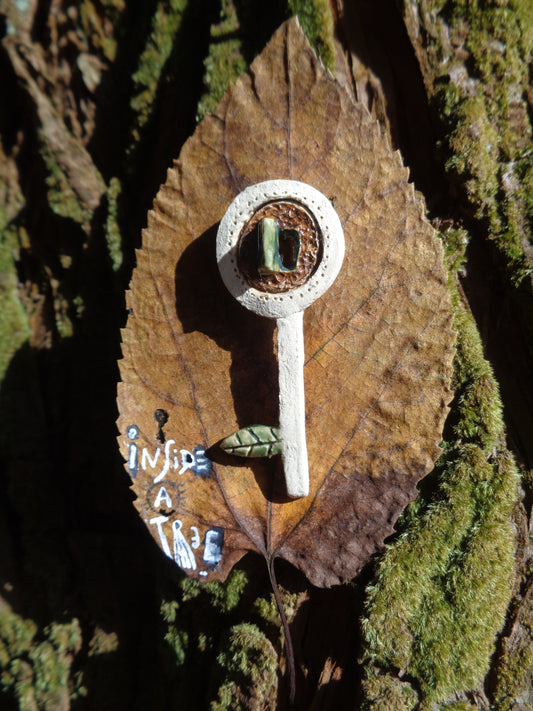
(253, 441)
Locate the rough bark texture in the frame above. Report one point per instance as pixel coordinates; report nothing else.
(98, 100)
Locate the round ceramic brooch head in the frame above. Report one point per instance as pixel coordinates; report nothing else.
(280, 246)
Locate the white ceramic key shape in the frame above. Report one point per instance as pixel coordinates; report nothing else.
(286, 307)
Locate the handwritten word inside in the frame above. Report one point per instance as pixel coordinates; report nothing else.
(166, 459)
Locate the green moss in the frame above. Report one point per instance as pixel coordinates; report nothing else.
(35, 666)
(473, 148)
(102, 642)
(238, 36)
(249, 665)
(225, 60)
(512, 679)
(214, 598)
(16, 634)
(524, 14)
(175, 636)
(432, 609)
(179, 642)
(14, 325)
(267, 609)
(317, 22)
(513, 676)
(517, 176)
(479, 417)
(98, 22)
(61, 197)
(383, 693)
(478, 83)
(223, 596)
(50, 671)
(169, 610)
(166, 23)
(222, 67)
(64, 325)
(455, 241)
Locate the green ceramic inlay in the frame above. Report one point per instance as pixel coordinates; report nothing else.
(278, 249)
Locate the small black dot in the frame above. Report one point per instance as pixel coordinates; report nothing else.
(161, 417)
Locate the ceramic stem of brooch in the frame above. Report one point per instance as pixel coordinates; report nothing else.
(293, 259)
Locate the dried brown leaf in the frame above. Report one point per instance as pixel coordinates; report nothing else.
(378, 344)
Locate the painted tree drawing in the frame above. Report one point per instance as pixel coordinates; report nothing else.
(158, 546)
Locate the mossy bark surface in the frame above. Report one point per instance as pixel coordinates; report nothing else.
(98, 99)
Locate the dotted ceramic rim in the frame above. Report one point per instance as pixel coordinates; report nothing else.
(278, 305)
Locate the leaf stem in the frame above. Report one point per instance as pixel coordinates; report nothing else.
(286, 633)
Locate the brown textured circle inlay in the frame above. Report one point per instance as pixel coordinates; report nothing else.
(292, 216)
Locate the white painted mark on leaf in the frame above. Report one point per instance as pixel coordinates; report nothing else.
(195, 540)
(163, 495)
(158, 522)
(166, 464)
(187, 461)
(146, 459)
(183, 554)
(214, 541)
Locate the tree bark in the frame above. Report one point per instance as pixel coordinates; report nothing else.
(98, 99)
